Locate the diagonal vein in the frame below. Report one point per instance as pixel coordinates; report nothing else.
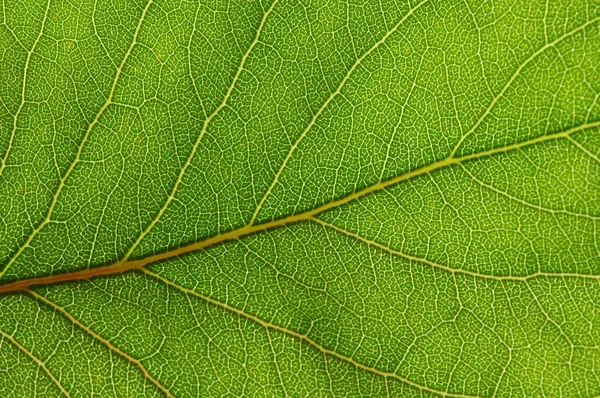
(326, 103)
(515, 75)
(102, 340)
(201, 135)
(447, 268)
(23, 89)
(88, 131)
(124, 266)
(38, 361)
(302, 337)
(583, 149)
(526, 203)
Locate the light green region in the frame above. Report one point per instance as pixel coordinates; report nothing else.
(559, 177)
(448, 154)
(590, 144)
(452, 332)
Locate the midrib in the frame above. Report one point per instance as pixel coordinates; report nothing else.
(124, 266)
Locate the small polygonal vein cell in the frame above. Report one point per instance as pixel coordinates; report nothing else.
(287, 198)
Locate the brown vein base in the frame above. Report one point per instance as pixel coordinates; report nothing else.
(130, 265)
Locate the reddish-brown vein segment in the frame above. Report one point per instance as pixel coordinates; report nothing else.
(124, 266)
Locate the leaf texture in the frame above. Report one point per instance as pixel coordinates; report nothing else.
(288, 198)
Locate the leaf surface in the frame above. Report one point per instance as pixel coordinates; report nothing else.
(217, 198)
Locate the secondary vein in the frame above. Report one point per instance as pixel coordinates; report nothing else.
(442, 266)
(325, 104)
(38, 361)
(200, 136)
(515, 75)
(102, 340)
(304, 338)
(64, 178)
(23, 89)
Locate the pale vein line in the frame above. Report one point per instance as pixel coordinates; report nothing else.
(445, 267)
(189, 59)
(515, 75)
(201, 135)
(293, 279)
(23, 89)
(12, 33)
(584, 149)
(326, 103)
(285, 393)
(302, 337)
(81, 145)
(558, 327)
(38, 361)
(102, 340)
(524, 202)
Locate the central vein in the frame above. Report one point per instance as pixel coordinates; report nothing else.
(127, 265)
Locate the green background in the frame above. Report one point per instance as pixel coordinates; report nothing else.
(131, 128)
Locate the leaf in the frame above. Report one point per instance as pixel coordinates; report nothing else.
(299, 198)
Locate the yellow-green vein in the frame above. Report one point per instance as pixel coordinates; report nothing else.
(124, 266)
(445, 267)
(301, 337)
(201, 135)
(23, 89)
(64, 178)
(102, 340)
(326, 103)
(35, 359)
(514, 76)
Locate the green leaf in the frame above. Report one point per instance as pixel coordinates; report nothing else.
(291, 198)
